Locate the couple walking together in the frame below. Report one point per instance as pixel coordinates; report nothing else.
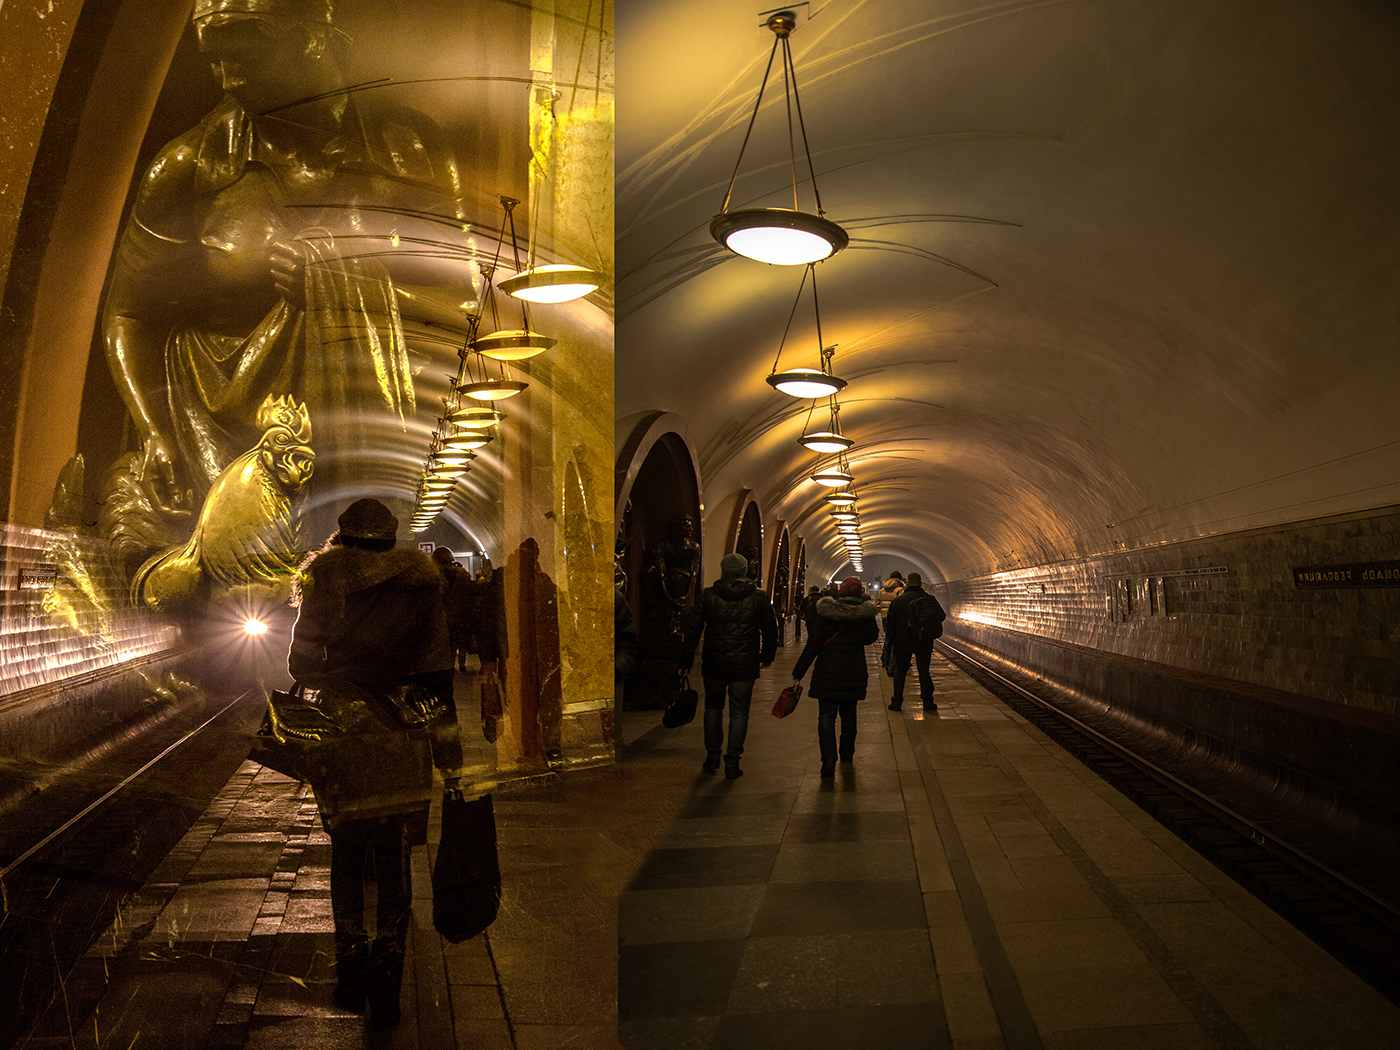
(740, 632)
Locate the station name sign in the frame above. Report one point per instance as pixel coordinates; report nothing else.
(1361, 574)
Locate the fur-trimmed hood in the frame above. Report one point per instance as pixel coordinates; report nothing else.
(345, 570)
(845, 610)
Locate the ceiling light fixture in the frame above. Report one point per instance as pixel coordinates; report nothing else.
(834, 477)
(841, 498)
(509, 344)
(826, 440)
(807, 382)
(780, 236)
(476, 418)
(552, 284)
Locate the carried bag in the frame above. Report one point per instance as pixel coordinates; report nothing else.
(786, 703)
(467, 872)
(681, 708)
(290, 728)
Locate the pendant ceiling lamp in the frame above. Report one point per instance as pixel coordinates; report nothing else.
(476, 418)
(841, 498)
(831, 440)
(844, 515)
(806, 382)
(508, 344)
(781, 236)
(446, 457)
(487, 387)
(465, 440)
(552, 284)
(834, 477)
(493, 389)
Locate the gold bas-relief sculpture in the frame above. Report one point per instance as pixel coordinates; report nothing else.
(251, 269)
(246, 536)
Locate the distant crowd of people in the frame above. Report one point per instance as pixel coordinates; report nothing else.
(740, 631)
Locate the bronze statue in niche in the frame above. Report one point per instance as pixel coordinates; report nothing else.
(671, 571)
(251, 267)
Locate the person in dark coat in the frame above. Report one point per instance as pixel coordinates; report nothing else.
(741, 636)
(371, 638)
(457, 583)
(912, 632)
(844, 626)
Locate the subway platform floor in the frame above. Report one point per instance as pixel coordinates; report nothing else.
(963, 883)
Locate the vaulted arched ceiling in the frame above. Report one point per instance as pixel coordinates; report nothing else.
(1119, 273)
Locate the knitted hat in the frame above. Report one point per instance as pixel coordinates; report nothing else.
(850, 587)
(368, 519)
(733, 567)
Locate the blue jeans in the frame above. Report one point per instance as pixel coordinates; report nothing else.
(827, 710)
(740, 691)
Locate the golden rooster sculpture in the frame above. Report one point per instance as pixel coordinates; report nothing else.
(246, 536)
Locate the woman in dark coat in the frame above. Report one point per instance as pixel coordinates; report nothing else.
(843, 627)
(371, 637)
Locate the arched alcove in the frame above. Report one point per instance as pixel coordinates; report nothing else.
(657, 545)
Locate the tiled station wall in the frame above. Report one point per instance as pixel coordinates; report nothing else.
(1225, 606)
(56, 625)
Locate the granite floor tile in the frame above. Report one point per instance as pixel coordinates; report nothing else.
(1115, 996)
(851, 826)
(1141, 1037)
(831, 800)
(705, 913)
(813, 908)
(844, 862)
(715, 866)
(724, 831)
(909, 1026)
(676, 980)
(688, 1033)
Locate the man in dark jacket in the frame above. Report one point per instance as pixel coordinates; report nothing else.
(841, 630)
(916, 619)
(741, 636)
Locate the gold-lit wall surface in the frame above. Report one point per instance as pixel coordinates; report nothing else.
(59, 620)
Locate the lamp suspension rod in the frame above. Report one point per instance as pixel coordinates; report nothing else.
(802, 126)
(744, 145)
(778, 356)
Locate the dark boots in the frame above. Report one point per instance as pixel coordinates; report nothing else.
(351, 971)
(731, 769)
(711, 761)
(385, 980)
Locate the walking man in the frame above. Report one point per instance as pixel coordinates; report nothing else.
(741, 636)
(916, 619)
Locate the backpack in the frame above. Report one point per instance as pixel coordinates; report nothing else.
(925, 619)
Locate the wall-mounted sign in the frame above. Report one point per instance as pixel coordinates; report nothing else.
(37, 577)
(1360, 574)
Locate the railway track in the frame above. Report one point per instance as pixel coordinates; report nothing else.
(1357, 927)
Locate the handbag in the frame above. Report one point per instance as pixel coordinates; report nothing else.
(786, 703)
(681, 708)
(290, 728)
(467, 871)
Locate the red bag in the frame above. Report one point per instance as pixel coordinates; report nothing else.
(786, 703)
